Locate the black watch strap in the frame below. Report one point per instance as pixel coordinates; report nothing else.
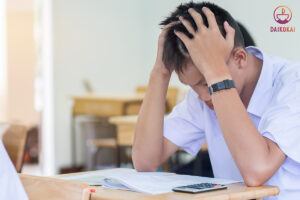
(226, 84)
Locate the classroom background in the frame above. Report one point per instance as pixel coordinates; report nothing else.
(70, 70)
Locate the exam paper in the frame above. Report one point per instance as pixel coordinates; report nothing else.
(144, 182)
(97, 177)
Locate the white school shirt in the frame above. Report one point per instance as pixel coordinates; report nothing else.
(275, 111)
(10, 184)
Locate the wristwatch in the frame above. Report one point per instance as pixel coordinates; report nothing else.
(226, 84)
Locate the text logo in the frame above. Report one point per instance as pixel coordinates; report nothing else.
(282, 14)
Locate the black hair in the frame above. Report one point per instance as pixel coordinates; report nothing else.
(175, 54)
(248, 40)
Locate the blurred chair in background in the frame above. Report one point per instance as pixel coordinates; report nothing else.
(101, 144)
(14, 141)
(32, 148)
(93, 106)
(100, 136)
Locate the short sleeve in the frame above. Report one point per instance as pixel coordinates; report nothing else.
(10, 184)
(281, 120)
(184, 125)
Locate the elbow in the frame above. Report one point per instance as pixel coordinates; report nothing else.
(142, 168)
(253, 182)
(256, 178)
(141, 165)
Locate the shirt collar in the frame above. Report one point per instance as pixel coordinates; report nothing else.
(263, 91)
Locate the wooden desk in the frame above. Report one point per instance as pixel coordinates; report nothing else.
(107, 105)
(125, 129)
(104, 106)
(236, 191)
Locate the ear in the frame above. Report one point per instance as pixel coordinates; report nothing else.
(239, 57)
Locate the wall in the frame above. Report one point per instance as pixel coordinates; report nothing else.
(96, 40)
(20, 62)
(3, 63)
(21, 67)
(113, 44)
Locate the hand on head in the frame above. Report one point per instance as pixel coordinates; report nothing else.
(208, 49)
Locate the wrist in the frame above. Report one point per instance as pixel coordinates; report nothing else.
(222, 85)
(220, 74)
(158, 79)
(161, 72)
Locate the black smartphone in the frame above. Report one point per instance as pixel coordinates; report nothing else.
(197, 188)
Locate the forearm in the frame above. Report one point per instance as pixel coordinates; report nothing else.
(249, 149)
(148, 139)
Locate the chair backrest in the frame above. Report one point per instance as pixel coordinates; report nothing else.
(46, 188)
(172, 96)
(14, 140)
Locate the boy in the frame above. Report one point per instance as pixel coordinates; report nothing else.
(243, 103)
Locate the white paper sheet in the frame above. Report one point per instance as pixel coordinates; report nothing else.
(144, 182)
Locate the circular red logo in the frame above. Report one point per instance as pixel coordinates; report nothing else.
(282, 14)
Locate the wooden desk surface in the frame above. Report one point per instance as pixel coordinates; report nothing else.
(234, 192)
(129, 119)
(111, 97)
(107, 105)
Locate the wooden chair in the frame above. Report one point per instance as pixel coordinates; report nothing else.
(46, 188)
(99, 134)
(172, 96)
(14, 140)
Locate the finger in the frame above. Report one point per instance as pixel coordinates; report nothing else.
(197, 18)
(211, 19)
(166, 28)
(187, 25)
(170, 24)
(184, 38)
(230, 32)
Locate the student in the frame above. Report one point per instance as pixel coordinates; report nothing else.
(250, 121)
(201, 165)
(10, 184)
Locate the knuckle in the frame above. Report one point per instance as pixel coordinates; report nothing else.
(191, 10)
(209, 13)
(204, 32)
(214, 29)
(196, 36)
